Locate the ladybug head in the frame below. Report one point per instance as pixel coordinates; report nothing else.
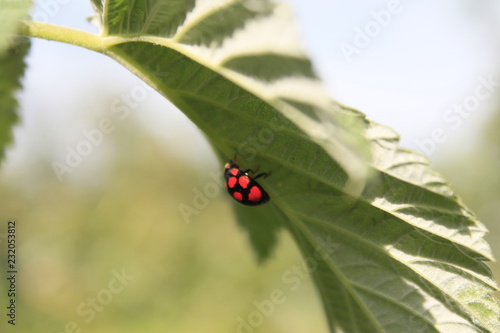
(229, 165)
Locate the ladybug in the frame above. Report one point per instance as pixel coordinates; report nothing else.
(242, 187)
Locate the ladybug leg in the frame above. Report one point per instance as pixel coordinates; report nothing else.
(250, 170)
(264, 174)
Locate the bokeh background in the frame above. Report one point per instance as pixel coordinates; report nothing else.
(118, 212)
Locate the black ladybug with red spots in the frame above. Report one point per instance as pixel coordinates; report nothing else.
(242, 187)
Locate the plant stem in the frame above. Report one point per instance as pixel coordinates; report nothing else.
(63, 34)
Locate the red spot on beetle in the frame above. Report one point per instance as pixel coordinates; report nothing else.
(238, 196)
(255, 194)
(244, 181)
(231, 182)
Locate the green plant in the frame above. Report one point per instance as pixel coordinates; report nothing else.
(387, 242)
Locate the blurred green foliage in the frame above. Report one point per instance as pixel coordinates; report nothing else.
(12, 66)
(475, 174)
(199, 277)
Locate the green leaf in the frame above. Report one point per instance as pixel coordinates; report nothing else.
(407, 254)
(225, 85)
(12, 67)
(226, 42)
(12, 11)
(262, 225)
(394, 252)
(12, 52)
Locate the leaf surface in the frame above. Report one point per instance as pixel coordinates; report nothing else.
(12, 64)
(12, 11)
(388, 243)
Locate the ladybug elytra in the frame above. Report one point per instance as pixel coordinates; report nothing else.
(242, 187)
